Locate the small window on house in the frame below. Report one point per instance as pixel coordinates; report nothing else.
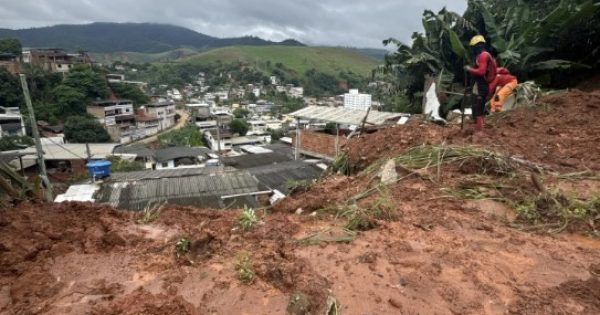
(165, 164)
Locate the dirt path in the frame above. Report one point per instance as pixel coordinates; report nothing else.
(180, 124)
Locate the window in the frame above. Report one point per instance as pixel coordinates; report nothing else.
(165, 164)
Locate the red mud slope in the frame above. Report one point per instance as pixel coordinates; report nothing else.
(431, 255)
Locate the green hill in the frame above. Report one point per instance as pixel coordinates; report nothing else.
(136, 37)
(330, 60)
(137, 57)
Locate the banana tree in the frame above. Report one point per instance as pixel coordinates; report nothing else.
(523, 44)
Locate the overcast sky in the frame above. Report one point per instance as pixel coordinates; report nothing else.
(319, 22)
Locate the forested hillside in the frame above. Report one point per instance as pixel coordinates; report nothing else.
(131, 37)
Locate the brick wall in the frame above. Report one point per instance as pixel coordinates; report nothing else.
(319, 143)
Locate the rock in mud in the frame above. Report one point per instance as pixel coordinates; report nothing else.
(388, 173)
(298, 304)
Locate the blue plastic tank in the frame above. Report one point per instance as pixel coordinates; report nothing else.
(99, 168)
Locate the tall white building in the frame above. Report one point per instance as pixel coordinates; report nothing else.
(355, 100)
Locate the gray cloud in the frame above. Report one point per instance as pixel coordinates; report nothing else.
(319, 22)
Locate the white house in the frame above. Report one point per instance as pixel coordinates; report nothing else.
(257, 127)
(180, 158)
(212, 137)
(355, 100)
(163, 109)
(296, 92)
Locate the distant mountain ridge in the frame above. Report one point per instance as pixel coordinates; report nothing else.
(133, 37)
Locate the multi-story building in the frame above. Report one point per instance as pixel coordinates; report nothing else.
(11, 122)
(355, 100)
(163, 109)
(218, 140)
(10, 62)
(257, 127)
(117, 117)
(198, 111)
(55, 60)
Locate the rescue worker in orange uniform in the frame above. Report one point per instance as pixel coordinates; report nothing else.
(507, 84)
(485, 75)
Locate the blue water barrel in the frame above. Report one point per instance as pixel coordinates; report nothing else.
(99, 168)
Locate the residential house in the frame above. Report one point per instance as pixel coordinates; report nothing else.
(117, 117)
(198, 111)
(218, 139)
(296, 92)
(168, 158)
(71, 157)
(11, 122)
(164, 109)
(10, 62)
(257, 127)
(146, 125)
(181, 157)
(55, 60)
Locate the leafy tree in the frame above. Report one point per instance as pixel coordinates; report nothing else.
(532, 38)
(120, 165)
(89, 81)
(189, 135)
(11, 94)
(69, 101)
(84, 129)
(276, 135)
(321, 84)
(15, 142)
(241, 113)
(130, 92)
(239, 126)
(10, 45)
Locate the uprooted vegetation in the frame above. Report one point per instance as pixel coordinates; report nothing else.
(460, 226)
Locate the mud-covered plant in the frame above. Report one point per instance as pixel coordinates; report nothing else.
(383, 208)
(341, 165)
(295, 186)
(554, 212)
(182, 246)
(248, 218)
(243, 266)
(151, 212)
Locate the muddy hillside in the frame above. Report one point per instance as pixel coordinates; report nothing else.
(415, 219)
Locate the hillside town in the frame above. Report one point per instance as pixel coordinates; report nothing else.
(236, 127)
(300, 158)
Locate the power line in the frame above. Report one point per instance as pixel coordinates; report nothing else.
(66, 149)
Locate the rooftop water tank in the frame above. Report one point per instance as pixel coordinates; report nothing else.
(99, 168)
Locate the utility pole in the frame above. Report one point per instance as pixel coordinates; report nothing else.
(38, 142)
(219, 135)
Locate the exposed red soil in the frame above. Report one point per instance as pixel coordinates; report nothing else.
(562, 132)
(427, 253)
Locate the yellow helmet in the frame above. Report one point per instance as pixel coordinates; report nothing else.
(476, 40)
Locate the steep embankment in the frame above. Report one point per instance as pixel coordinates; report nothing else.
(452, 234)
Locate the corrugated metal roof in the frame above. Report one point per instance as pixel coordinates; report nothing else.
(278, 176)
(200, 191)
(75, 151)
(346, 116)
(254, 160)
(168, 173)
(171, 153)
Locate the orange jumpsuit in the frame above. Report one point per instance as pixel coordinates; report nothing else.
(507, 83)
